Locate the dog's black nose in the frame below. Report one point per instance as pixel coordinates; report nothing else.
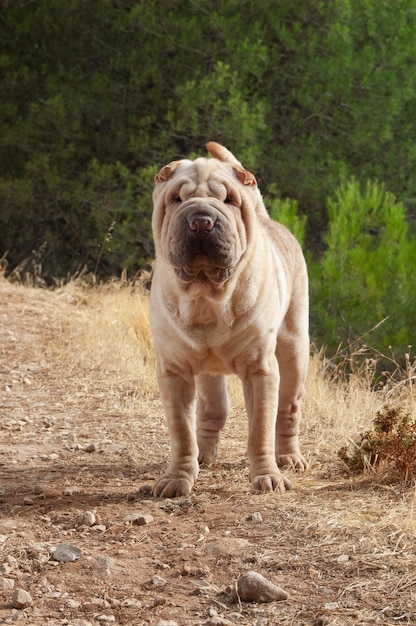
(201, 223)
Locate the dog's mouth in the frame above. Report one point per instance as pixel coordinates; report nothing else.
(215, 275)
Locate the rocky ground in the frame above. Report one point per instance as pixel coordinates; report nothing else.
(83, 542)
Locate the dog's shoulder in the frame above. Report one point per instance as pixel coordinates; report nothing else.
(284, 241)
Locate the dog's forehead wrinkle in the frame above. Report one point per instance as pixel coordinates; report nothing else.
(204, 178)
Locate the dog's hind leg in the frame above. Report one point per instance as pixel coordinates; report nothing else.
(211, 413)
(292, 354)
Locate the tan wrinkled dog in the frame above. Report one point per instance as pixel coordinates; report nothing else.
(229, 295)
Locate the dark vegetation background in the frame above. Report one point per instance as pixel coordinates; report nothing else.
(318, 98)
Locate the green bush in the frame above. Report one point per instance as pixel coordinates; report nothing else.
(286, 212)
(365, 275)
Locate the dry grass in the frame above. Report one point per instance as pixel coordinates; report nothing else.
(343, 545)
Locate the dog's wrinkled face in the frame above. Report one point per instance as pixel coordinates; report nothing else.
(199, 221)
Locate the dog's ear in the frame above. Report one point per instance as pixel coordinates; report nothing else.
(244, 176)
(221, 153)
(166, 172)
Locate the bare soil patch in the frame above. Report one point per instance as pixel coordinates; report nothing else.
(82, 435)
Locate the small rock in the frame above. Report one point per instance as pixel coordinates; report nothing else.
(145, 490)
(166, 622)
(6, 583)
(253, 587)
(106, 618)
(91, 447)
(256, 517)
(28, 501)
(86, 519)
(158, 581)
(331, 606)
(71, 490)
(104, 565)
(49, 457)
(12, 562)
(343, 558)
(21, 599)
(143, 520)
(66, 552)
(217, 620)
(5, 568)
(228, 546)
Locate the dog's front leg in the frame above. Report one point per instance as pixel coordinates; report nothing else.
(261, 391)
(211, 411)
(178, 397)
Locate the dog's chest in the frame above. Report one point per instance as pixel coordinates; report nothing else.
(202, 318)
(206, 330)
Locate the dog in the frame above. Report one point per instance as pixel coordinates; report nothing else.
(229, 295)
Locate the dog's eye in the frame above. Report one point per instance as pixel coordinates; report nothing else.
(229, 200)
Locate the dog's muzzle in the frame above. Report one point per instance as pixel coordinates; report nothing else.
(201, 244)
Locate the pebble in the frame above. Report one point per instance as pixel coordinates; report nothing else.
(331, 606)
(86, 519)
(145, 490)
(66, 552)
(217, 620)
(6, 583)
(166, 622)
(12, 562)
(227, 546)
(21, 599)
(253, 587)
(104, 565)
(143, 520)
(71, 490)
(343, 558)
(256, 517)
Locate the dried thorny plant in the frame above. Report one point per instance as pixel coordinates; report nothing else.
(390, 443)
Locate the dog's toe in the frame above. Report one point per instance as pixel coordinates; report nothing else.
(296, 461)
(271, 482)
(168, 487)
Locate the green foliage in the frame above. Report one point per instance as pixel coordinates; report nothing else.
(365, 275)
(97, 95)
(390, 444)
(287, 213)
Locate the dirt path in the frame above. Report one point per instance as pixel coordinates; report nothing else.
(78, 448)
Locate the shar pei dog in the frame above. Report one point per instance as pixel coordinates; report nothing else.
(229, 295)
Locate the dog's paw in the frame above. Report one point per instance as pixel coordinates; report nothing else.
(207, 454)
(170, 487)
(270, 482)
(295, 460)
